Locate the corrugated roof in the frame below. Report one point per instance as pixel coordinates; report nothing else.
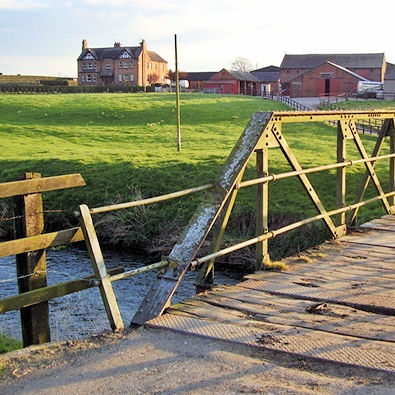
(390, 73)
(200, 75)
(309, 61)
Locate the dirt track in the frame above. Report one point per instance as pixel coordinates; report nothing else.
(147, 361)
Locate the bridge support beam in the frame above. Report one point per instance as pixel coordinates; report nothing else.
(161, 292)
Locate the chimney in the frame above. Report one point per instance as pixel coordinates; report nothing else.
(84, 44)
(117, 44)
(143, 45)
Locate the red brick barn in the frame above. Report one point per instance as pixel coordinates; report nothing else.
(231, 82)
(328, 79)
(369, 66)
(196, 79)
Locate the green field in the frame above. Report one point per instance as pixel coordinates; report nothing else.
(124, 145)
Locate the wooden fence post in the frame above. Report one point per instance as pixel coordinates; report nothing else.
(31, 267)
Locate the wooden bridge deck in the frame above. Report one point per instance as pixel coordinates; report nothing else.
(335, 303)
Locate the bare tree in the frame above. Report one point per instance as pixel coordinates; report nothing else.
(241, 64)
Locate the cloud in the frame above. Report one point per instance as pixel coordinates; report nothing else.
(13, 5)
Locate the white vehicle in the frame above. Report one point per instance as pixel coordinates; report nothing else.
(370, 89)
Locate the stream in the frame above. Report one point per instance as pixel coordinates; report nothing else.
(82, 314)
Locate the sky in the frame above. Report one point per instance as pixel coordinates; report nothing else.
(43, 37)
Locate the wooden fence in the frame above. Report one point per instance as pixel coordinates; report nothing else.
(29, 248)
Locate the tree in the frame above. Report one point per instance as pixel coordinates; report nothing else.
(241, 64)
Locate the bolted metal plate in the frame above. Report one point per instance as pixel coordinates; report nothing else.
(378, 355)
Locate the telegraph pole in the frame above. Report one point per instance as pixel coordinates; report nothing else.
(177, 97)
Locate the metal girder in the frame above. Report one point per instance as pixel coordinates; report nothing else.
(323, 116)
(291, 158)
(370, 173)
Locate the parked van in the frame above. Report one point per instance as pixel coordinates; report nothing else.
(370, 89)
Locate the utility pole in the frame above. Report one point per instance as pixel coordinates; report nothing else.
(177, 97)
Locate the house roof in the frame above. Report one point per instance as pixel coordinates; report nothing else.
(200, 75)
(155, 57)
(390, 73)
(334, 65)
(111, 53)
(243, 75)
(310, 61)
(266, 69)
(266, 76)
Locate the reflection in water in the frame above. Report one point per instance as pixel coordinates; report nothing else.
(81, 314)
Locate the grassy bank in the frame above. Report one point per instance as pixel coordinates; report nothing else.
(125, 147)
(8, 344)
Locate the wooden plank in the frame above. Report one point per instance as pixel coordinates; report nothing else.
(380, 224)
(51, 292)
(373, 237)
(371, 299)
(339, 319)
(16, 188)
(39, 242)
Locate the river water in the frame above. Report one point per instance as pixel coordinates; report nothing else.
(82, 314)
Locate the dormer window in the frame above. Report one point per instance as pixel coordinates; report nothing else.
(124, 55)
(108, 66)
(88, 56)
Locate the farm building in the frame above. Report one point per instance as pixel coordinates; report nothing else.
(366, 66)
(328, 79)
(269, 79)
(231, 82)
(196, 79)
(119, 65)
(389, 80)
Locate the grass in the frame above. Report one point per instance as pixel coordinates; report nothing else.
(124, 145)
(8, 344)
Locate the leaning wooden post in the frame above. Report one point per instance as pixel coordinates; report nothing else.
(341, 178)
(99, 268)
(262, 207)
(31, 267)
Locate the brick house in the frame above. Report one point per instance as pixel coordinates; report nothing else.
(368, 66)
(231, 82)
(119, 65)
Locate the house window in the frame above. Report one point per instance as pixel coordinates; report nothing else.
(83, 66)
(131, 65)
(89, 78)
(125, 65)
(89, 66)
(326, 75)
(108, 65)
(131, 78)
(120, 78)
(150, 65)
(94, 78)
(83, 78)
(120, 65)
